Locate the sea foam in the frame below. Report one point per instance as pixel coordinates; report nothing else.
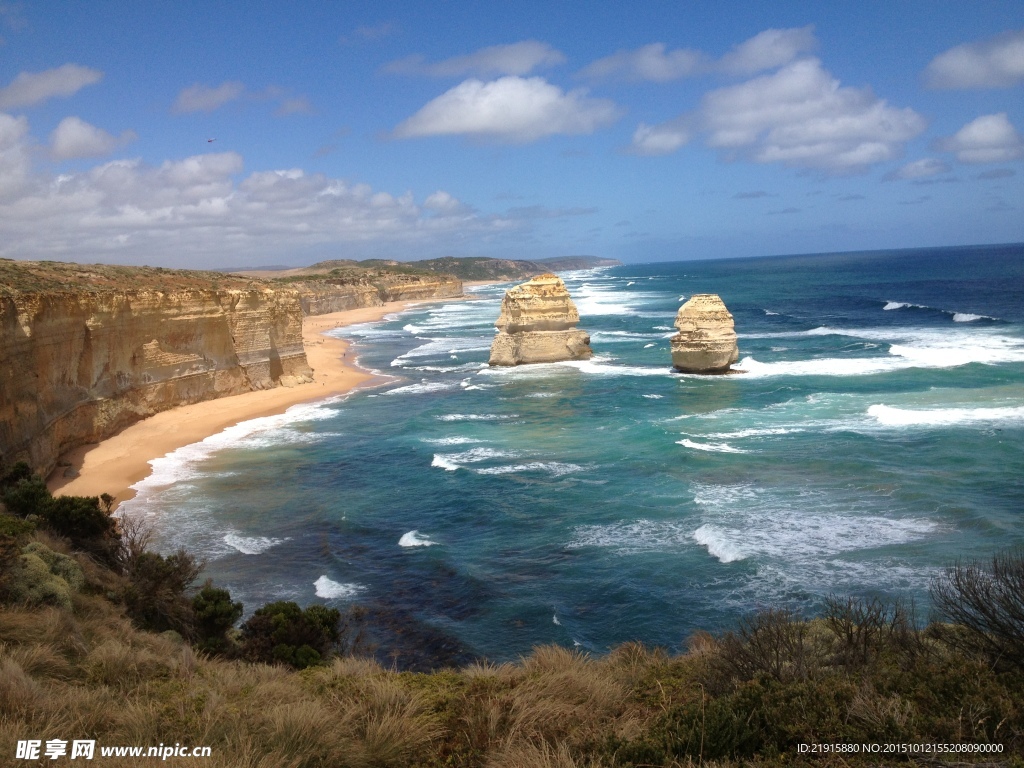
(252, 545)
(327, 588)
(414, 539)
(943, 417)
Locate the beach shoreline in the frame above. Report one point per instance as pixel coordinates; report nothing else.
(116, 463)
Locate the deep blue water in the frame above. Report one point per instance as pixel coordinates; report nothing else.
(876, 436)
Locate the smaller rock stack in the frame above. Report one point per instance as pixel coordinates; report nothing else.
(706, 342)
(537, 324)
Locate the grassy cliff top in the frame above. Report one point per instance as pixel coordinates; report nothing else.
(464, 268)
(33, 277)
(29, 277)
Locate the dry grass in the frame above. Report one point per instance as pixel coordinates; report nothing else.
(85, 672)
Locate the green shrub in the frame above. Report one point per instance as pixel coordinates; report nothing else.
(43, 577)
(215, 615)
(155, 597)
(19, 471)
(15, 527)
(283, 633)
(27, 496)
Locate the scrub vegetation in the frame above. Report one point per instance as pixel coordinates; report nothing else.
(101, 638)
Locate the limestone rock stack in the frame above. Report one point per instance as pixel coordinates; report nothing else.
(538, 325)
(706, 342)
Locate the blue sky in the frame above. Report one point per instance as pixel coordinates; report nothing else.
(639, 131)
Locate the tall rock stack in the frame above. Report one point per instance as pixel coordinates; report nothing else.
(706, 342)
(537, 324)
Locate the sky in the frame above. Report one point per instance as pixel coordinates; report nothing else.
(224, 134)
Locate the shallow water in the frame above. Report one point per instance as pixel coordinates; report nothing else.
(877, 435)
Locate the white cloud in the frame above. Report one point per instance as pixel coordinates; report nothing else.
(987, 139)
(202, 98)
(514, 59)
(14, 154)
(205, 210)
(511, 109)
(802, 117)
(768, 50)
(298, 105)
(75, 138)
(660, 139)
(649, 62)
(30, 88)
(919, 169)
(997, 62)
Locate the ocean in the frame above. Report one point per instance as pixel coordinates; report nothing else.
(876, 437)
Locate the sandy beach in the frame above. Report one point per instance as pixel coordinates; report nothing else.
(115, 464)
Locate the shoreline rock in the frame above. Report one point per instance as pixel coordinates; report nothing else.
(706, 342)
(537, 324)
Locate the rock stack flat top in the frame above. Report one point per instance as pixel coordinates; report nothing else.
(706, 342)
(537, 324)
(540, 304)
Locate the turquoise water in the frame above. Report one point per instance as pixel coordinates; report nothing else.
(876, 436)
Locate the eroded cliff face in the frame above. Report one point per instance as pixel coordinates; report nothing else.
(321, 297)
(537, 324)
(75, 367)
(706, 342)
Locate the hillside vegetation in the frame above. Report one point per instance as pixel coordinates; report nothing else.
(117, 644)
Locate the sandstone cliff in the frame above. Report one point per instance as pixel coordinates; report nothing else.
(77, 367)
(336, 294)
(537, 324)
(86, 350)
(706, 342)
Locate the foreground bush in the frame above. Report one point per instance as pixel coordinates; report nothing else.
(986, 607)
(283, 632)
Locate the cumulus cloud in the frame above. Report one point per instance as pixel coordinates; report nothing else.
(649, 62)
(75, 138)
(509, 109)
(986, 139)
(205, 207)
(514, 59)
(802, 117)
(919, 169)
(768, 50)
(661, 139)
(202, 98)
(997, 62)
(30, 88)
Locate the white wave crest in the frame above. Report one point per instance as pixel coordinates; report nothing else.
(718, 545)
(422, 388)
(711, 447)
(555, 468)
(327, 588)
(251, 545)
(183, 463)
(476, 416)
(967, 317)
(413, 539)
(441, 462)
(942, 417)
(451, 440)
